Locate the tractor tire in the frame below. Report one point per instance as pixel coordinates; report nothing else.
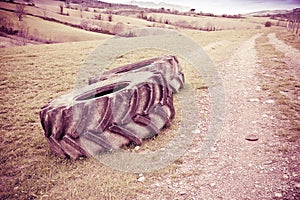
(167, 65)
(111, 113)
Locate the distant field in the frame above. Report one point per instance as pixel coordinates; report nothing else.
(217, 22)
(52, 31)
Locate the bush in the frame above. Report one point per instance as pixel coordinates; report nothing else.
(110, 17)
(268, 24)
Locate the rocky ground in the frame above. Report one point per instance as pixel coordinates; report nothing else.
(247, 162)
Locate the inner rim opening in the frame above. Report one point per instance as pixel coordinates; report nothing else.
(99, 92)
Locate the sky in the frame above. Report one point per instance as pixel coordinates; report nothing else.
(227, 6)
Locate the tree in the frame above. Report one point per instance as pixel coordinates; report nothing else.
(44, 9)
(20, 11)
(110, 17)
(61, 6)
(294, 21)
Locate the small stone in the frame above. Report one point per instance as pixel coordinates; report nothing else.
(285, 176)
(268, 162)
(137, 148)
(212, 184)
(252, 137)
(254, 100)
(294, 174)
(270, 101)
(213, 149)
(196, 131)
(258, 88)
(278, 195)
(141, 179)
(182, 193)
(297, 185)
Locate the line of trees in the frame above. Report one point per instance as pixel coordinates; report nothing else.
(294, 21)
(291, 19)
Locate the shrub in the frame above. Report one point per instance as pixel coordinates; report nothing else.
(98, 17)
(268, 24)
(110, 17)
(118, 28)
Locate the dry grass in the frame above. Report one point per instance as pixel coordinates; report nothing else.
(288, 37)
(219, 45)
(29, 79)
(27, 82)
(281, 86)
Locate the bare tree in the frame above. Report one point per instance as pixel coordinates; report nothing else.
(294, 21)
(20, 11)
(81, 9)
(44, 9)
(61, 6)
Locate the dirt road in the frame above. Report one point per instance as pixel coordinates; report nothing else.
(246, 162)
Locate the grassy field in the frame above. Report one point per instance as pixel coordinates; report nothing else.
(51, 31)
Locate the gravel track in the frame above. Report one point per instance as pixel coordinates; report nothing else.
(245, 163)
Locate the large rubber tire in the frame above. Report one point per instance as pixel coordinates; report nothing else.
(108, 114)
(167, 65)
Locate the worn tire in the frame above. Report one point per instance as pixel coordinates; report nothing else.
(167, 65)
(108, 114)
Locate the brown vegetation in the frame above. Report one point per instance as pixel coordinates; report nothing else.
(20, 11)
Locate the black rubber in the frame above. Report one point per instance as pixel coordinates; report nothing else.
(120, 109)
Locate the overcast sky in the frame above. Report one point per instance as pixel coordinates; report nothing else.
(227, 6)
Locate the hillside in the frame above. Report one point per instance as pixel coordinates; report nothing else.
(45, 22)
(268, 12)
(160, 5)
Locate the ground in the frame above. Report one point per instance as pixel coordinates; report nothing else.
(260, 74)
